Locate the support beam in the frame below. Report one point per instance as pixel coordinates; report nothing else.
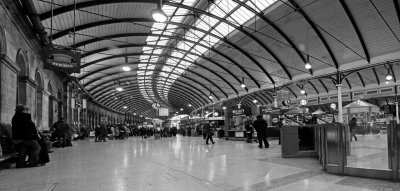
(361, 79)
(355, 26)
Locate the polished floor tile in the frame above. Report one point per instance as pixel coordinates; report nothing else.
(177, 163)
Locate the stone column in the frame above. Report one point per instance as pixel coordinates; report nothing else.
(397, 111)
(45, 110)
(340, 108)
(228, 116)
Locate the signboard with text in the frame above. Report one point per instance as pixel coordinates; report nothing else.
(61, 60)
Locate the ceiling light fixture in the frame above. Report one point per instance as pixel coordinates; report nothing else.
(254, 101)
(120, 89)
(308, 65)
(243, 85)
(224, 107)
(387, 82)
(389, 76)
(125, 107)
(181, 109)
(126, 68)
(158, 14)
(190, 105)
(302, 91)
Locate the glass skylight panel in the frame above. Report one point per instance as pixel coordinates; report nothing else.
(168, 10)
(151, 67)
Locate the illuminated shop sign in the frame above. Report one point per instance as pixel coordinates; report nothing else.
(61, 60)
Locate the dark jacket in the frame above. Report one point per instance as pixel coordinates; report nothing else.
(208, 129)
(248, 128)
(61, 127)
(261, 127)
(353, 124)
(23, 127)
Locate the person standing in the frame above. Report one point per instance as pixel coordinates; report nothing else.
(353, 125)
(25, 137)
(261, 127)
(249, 131)
(209, 132)
(103, 132)
(61, 129)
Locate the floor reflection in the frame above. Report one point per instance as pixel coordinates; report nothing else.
(369, 151)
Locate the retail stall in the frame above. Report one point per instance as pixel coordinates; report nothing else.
(367, 115)
(236, 128)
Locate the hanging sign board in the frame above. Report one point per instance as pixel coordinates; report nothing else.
(163, 112)
(78, 103)
(61, 60)
(238, 112)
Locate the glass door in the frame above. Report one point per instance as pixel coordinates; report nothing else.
(372, 154)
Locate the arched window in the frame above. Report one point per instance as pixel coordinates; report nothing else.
(23, 73)
(39, 100)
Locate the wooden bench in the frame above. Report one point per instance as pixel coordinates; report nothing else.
(4, 160)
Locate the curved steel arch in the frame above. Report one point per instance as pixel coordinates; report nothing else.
(355, 26)
(297, 8)
(256, 97)
(312, 85)
(183, 82)
(179, 38)
(277, 29)
(133, 89)
(183, 76)
(113, 102)
(195, 63)
(178, 5)
(261, 95)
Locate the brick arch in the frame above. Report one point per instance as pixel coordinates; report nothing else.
(22, 62)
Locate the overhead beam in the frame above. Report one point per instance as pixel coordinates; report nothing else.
(355, 26)
(361, 79)
(376, 76)
(323, 85)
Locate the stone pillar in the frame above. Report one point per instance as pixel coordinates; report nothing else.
(397, 112)
(8, 85)
(45, 110)
(228, 117)
(67, 103)
(340, 108)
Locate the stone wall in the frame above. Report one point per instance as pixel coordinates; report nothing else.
(23, 79)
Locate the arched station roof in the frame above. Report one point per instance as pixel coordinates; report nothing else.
(210, 47)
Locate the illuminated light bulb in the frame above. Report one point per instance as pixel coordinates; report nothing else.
(126, 68)
(302, 91)
(308, 66)
(254, 101)
(389, 77)
(387, 82)
(159, 15)
(119, 89)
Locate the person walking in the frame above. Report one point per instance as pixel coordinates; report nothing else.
(61, 129)
(25, 137)
(209, 132)
(353, 125)
(261, 127)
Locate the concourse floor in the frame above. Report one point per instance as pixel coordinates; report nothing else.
(178, 163)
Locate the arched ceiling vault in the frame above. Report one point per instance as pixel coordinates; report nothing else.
(211, 47)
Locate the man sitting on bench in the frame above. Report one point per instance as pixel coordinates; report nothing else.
(25, 137)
